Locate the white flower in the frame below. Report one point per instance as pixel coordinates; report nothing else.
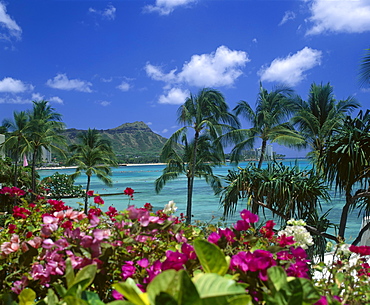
(170, 207)
(300, 235)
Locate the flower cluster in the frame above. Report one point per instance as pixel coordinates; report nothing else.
(12, 191)
(138, 244)
(296, 229)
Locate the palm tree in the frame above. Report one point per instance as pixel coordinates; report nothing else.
(365, 68)
(269, 122)
(286, 191)
(17, 142)
(93, 156)
(346, 164)
(205, 113)
(43, 128)
(180, 163)
(320, 115)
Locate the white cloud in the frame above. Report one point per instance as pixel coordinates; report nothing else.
(165, 7)
(289, 15)
(7, 22)
(104, 103)
(219, 68)
(56, 99)
(62, 82)
(149, 123)
(175, 96)
(290, 70)
(37, 97)
(109, 13)
(346, 16)
(164, 130)
(12, 85)
(124, 86)
(14, 100)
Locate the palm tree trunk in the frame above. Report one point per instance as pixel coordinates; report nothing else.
(86, 196)
(33, 172)
(16, 165)
(191, 179)
(189, 203)
(263, 150)
(344, 216)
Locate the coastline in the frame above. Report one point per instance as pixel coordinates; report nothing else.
(119, 165)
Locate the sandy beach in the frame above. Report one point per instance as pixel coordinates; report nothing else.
(71, 167)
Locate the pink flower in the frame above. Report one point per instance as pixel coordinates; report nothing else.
(242, 225)
(143, 263)
(228, 234)
(12, 246)
(98, 200)
(189, 251)
(175, 260)
(361, 250)
(90, 193)
(213, 238)
(129, 192)
(248, 216)
(128, 270)
(322, 301)
(12, 228)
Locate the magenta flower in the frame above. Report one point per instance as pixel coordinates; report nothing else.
(153, 270)
(242, 225)
(143, 263)
(189, 251)
(175, 260)
(116, 295)
(322, 301)
(98, 200)
(248, 216)
(228, 234)
(90, 193)
(213, 238)
(128, 270)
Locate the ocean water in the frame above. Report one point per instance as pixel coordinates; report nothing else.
(206, 205)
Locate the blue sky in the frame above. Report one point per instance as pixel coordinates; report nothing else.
(105, 63)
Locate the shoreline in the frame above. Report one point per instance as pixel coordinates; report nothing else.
(119, 165)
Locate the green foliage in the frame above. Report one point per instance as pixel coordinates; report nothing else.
(60, 186)
(286, 290)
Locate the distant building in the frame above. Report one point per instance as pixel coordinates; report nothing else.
(269, 153)
(2, 151)
(45, 155)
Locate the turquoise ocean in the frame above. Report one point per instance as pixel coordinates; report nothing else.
(206, 207)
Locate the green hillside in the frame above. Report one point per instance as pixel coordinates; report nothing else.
(131, 142)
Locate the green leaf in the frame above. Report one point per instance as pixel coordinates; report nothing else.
(230, 300)
(70, 276)
(277, 278)
(212, 285)
(168, 281)
(211, 257)
(92, 298)
(85, 276)
(165, 299)
(188, 294)
(51, 298)
(130, 291)
(27, 297)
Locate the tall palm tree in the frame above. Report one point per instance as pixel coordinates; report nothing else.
(93, 156)
(346, 164)
(44, 128)
(320, 115)
(180, 162)
(17, 141)
(205, 113)
(365, 68)
(269, 122)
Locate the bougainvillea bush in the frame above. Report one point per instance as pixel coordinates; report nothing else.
(53, 254)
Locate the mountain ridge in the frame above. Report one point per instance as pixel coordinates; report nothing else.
(129, 140)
